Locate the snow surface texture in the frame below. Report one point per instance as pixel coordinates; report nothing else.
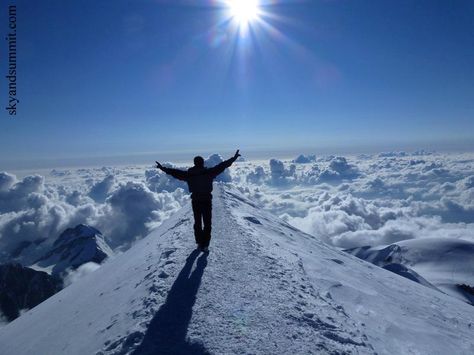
(264, 288)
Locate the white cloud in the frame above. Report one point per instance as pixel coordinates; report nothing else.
(257, 176)
(15, 196)
(6, 181)
(338, 169)
(158, 181)
(79, 273)
(102, 189)
(215, 159)
(304, 159)
(32, 209)
(371, 200)
(128, 211)
(279, 174)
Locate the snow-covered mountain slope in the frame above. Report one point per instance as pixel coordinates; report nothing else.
(408, 273)
(265, 288)
(74, 247)
(444, 262)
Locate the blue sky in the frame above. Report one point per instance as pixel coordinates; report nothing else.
(101, 78)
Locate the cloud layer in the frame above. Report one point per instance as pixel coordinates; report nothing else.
(347, 201)
(370, 200)
(122, 205)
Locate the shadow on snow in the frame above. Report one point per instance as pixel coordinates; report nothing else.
(166, 333)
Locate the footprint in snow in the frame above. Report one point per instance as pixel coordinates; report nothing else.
(252, 220)
(167, 253)
(163, 275)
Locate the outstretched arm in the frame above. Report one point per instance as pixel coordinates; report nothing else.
(219, 168)
(176, 173)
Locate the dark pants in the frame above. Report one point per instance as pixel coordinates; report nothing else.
(202, 210)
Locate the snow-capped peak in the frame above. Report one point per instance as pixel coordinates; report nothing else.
(74, 247)
(80, 231)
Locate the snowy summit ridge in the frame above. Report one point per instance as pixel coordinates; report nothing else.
(266, 287)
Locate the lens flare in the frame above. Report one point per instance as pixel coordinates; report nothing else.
(244, 11)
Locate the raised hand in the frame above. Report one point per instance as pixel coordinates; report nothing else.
(159, 166)
(236, 155)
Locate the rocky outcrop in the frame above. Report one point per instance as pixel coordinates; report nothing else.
(22, 288)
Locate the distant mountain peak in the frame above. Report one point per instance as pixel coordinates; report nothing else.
(79, 231)
(74, 247)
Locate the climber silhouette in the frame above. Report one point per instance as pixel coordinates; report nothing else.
(199, 179)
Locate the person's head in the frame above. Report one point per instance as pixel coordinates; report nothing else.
(199, 161)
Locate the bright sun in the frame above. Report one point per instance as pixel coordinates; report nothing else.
(244, 11)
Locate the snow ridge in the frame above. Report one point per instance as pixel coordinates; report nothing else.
(264, 288)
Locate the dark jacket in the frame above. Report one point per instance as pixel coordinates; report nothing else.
(200, 179)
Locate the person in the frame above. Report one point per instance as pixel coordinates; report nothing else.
(200, 179)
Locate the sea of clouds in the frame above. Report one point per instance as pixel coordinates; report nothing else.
(346, 201)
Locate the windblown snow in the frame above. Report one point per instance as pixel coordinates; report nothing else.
(265, 288)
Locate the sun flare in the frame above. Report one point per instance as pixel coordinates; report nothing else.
(244, 11)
